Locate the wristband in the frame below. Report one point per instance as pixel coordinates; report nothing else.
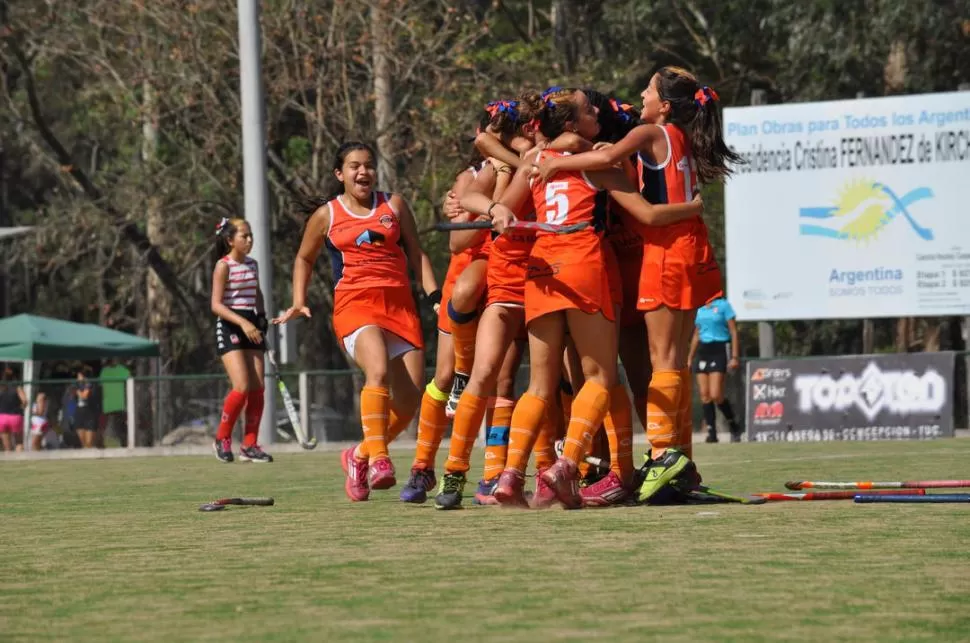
(434, 297)
(488, 213)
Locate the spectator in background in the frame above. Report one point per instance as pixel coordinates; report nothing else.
(69, 436)
(113, 403)
(12, 401)
(41, 434)
(88, 413)
(715, 330)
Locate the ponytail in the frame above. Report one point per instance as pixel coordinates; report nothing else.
(694, 108)
(225, 230)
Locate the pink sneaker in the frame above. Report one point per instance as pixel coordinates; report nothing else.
(380, 475)
(509, 489)
(356, 470)
(606, 492)
(561, 478)
(544, 496)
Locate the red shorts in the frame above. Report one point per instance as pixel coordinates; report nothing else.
(679, 268)
(389, 308)
(570, 275)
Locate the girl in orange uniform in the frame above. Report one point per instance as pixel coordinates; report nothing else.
(372, 239)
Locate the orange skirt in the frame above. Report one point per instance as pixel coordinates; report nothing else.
(506, 281)
(679, 269)
(392, 309)
(563, 275)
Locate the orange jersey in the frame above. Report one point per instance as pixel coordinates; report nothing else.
(565, 199)
(566, 271)
(674, 180)
(365, 250)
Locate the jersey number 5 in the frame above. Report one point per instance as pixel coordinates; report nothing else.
(557, 201)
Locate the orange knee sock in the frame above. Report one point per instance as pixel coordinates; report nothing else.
(528, 416)
(397, 422)
(432, 424)
(589, 407)
(663, 400)
(468, 421)
(640, 406)
(619, 432)
(685, 415)
(374, 402)
(464, 327)
(545, 445)
(497, 437)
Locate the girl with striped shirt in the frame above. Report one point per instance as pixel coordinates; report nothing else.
(240, 323)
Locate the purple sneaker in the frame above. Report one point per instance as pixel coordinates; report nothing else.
(419, 484)
(485, 494)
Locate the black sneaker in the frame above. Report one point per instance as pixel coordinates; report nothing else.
(450, 491)
(223, 449)
(736, 432)
(254, 453)
(711, 436)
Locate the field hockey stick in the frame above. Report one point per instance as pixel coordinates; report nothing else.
(744, 500)
(308, 444)
(911, 484)
(932, 498)
(538, 226)
(838, 495)
(222, 503)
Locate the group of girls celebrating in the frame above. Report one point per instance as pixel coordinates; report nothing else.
(616, 275)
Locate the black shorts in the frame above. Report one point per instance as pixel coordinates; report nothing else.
(230, 337)
(711, 357)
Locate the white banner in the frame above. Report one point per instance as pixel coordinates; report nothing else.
(850, 209)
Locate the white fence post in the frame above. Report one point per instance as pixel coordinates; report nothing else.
(131, 410)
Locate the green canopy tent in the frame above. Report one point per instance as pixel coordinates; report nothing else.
(30, 339)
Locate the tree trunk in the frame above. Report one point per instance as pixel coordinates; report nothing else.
(157, 297)
(868, 337)
(932, 334)
(562, 34)
(902, 335)
(383, 106)
(4, 222)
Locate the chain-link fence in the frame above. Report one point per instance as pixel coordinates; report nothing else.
(186, 409)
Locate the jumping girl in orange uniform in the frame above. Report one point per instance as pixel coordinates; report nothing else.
(681, 145)
(372, 238)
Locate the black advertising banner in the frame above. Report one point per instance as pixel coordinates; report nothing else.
(906, 396)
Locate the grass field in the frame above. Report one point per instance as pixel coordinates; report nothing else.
(115, 549)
